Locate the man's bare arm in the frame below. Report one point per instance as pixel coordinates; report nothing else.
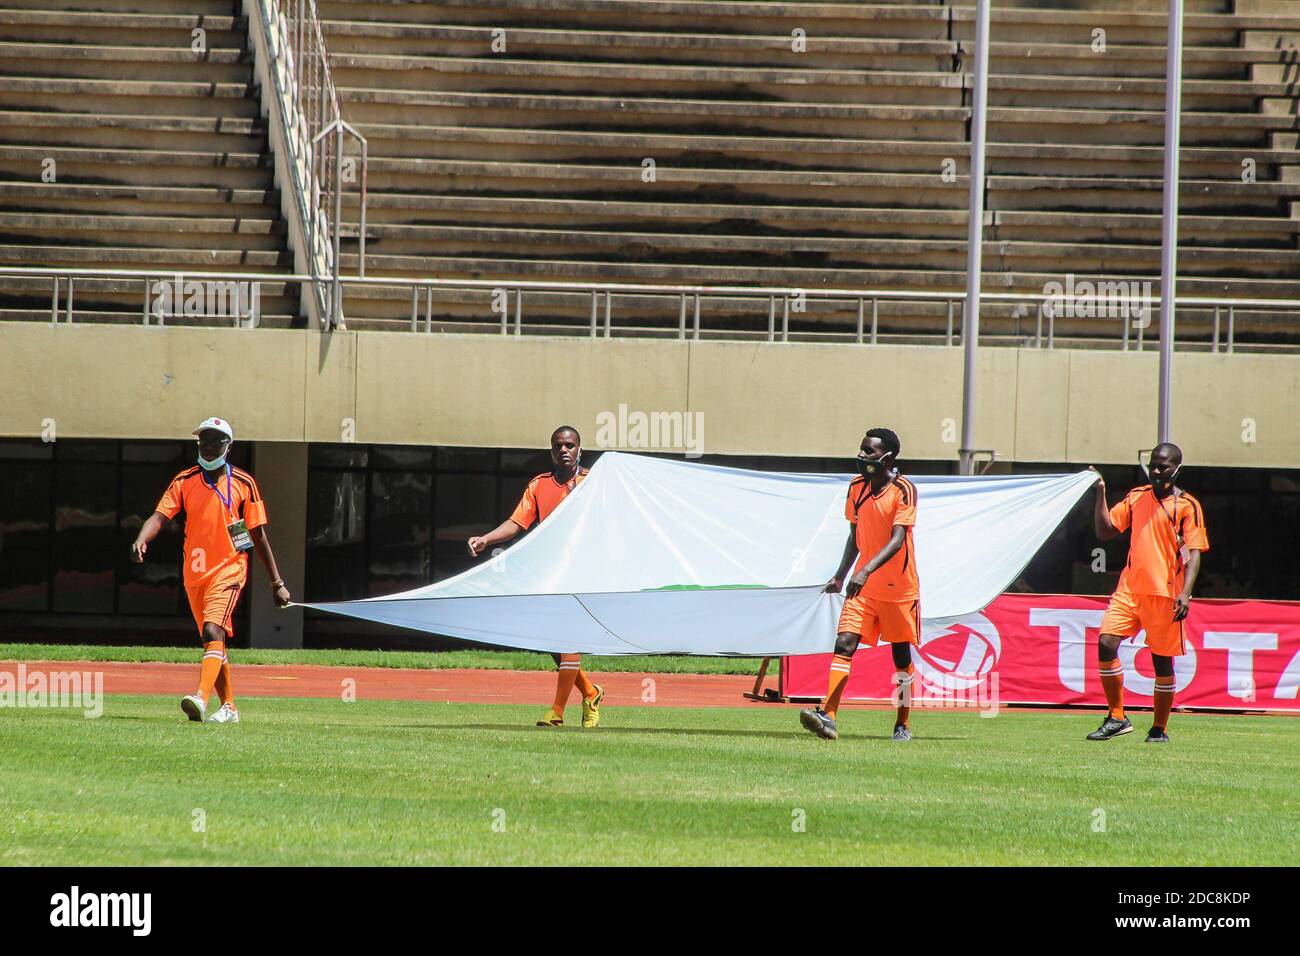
(148, 531)
(1183, 603)
(836, 584)
(503, 532)
(262, 545)
(1101, 514)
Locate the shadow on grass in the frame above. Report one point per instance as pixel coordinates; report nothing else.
(689, 731)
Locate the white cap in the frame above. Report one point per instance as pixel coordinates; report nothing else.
(216, 424)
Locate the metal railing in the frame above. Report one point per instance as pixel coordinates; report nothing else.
(505, 304)
(314, 135)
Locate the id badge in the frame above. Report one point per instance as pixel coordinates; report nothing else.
(1183, 554)
(239, 535)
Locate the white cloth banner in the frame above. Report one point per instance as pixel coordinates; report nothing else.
(657, 556)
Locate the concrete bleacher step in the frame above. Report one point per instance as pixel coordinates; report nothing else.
(665, 114)
(208, 8)
(1122, 25)
(772, 152)
(117, 256)
(173, 31)
(404, 209)
(137, 200)
(645, 81)
(503, 75)
(139, 167)
(839, 19)
(75, 60)
(681, 48)
(832, 19)
(861, 251)
(825, 188)
(1039, 57)
(187, 232)
(139, 97)
(1102, 126)
(191, 133)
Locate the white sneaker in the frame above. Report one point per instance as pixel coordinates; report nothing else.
(194, 707)
(225, 715)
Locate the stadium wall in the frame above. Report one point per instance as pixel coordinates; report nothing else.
(755, 398)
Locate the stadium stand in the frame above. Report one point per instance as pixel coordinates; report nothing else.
(821, 167)
(159, 154)
(794, 144)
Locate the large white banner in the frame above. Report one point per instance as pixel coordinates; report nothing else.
(656, 556)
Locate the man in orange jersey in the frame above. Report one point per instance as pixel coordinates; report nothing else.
(542, 496)
(1155, 589)
(883, 596)
(225, 518)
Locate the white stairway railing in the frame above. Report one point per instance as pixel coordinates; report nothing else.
(313, 132)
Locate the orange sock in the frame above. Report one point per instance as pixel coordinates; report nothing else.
(213, 654)
(1112, 682)
(585, 687)
(225, 686)
(570, 665)
(840, 668)
(1164, 701)
(904, 680)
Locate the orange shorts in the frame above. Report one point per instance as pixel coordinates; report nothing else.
(214, 601)
(1129, 613)
(894, 622)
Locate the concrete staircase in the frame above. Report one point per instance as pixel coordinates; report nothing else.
(813, 164)
(157, 153)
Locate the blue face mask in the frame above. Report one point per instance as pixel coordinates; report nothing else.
(215, 463)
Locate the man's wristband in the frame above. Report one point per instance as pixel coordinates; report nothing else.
(278, 584)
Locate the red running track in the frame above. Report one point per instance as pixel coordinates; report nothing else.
(474, 686)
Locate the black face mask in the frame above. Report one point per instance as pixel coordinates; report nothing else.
(867, 469)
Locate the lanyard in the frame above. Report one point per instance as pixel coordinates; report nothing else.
(216, 489)
(1173, 519)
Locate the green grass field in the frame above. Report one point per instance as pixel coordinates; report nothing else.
(331, 783)
(430, 660)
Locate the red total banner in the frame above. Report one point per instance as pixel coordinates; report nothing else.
(1042, 649)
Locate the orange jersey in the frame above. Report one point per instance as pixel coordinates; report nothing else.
(1154, 565)
(873, 517)
(542, 496)
(209, 551)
